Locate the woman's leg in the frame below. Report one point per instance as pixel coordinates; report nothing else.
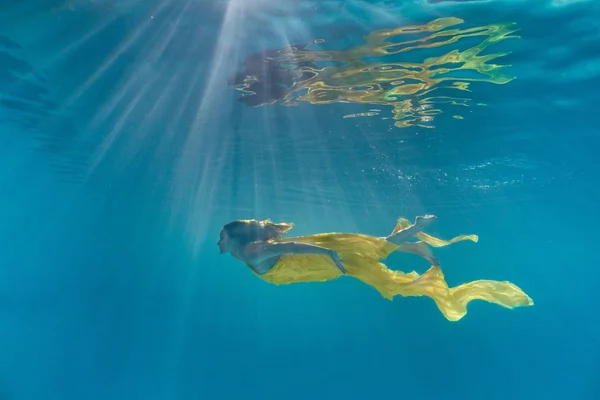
(404, 231)
(420, 249)
(401, 236)
(409, 232)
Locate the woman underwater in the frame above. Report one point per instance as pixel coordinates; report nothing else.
(326, 256)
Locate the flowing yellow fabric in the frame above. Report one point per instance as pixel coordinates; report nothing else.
(361, 255)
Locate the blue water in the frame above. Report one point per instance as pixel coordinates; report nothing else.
(123, 151)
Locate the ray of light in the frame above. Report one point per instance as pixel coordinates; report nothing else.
(155, 53)
(64, 53)
(120, 50)
(178, 193)
(81, 41)
(206, 176)
(178, 180)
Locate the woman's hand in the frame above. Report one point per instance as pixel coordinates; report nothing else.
(339, 263)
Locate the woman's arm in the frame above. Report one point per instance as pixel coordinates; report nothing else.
(270, 250)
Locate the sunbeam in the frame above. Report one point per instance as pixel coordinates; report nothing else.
(115, 54)
(80, 42)
(204, 176)
(155, 53)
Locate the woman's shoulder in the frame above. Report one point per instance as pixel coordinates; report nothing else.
(253, 248)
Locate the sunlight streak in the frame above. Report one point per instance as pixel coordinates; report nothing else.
(109, 107)
(77, 44)
(129, 41)
(206, 176)
(155, 53)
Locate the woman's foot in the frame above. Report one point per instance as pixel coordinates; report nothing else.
(425, 220)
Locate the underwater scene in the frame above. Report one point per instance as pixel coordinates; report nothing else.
(301, 199)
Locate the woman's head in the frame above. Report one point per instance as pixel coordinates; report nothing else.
(242, 232)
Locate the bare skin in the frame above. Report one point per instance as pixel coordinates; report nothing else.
(262, 256)
(418, 248)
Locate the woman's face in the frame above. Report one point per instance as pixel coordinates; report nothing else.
(225, 243)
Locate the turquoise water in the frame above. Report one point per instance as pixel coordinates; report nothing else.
(125, 148)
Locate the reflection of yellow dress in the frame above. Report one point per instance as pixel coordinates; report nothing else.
(361, 255)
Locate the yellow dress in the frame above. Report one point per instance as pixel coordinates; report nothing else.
(361, 255)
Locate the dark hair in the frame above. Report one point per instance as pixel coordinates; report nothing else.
(251, 230)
